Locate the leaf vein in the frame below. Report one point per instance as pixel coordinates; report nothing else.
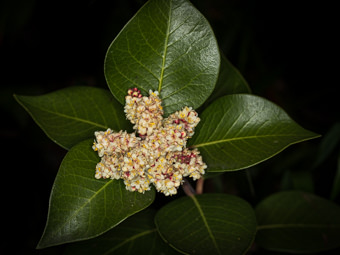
(165, 51)
(206, 223)
(130, 240)
(239, 138)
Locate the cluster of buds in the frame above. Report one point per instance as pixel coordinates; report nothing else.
(157, 154)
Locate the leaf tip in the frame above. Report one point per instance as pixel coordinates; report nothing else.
(17, 98)
(42, 244)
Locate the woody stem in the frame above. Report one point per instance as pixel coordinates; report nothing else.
(199, 186)
(188, 189)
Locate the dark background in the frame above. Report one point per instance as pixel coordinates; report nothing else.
(286, 51)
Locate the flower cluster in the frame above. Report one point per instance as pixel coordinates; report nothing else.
(157, 154)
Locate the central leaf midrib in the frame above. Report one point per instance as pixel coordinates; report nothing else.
(167, 34)
(236, 139)
(75, 213)
(74, 118)
(131, 239)
(297, 225)
(206, 223)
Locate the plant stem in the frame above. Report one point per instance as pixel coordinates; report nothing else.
(199, 186)
(188, 189)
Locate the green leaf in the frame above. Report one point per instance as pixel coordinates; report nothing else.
(297, 180)
(328, 144)
(167, 46)
(208, 224)
(136, 235)
(300, 222)
(336, 183)
(71, 115)
(238, 131)
(230, 81)
(82, 207)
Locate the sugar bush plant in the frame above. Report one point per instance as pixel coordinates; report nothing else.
(176, 108)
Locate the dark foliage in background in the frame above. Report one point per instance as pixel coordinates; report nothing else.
(286, 52)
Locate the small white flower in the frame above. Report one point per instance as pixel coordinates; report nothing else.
(158, 156)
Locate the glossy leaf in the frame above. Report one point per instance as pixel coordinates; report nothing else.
(328, 144)
(230, 81)
(71, 115)
(298, 180)
(238, 131)
(167, 46)
(136, 235)
(82, 207)
(300, 222)
(336, 183)
(208, 224)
